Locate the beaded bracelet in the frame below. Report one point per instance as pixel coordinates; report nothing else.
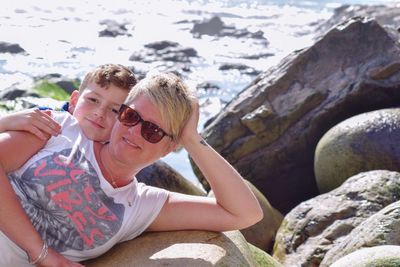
(42, 255)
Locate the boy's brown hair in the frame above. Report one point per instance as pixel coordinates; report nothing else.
(110, 74)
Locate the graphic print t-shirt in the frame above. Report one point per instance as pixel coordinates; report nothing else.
(72, 206)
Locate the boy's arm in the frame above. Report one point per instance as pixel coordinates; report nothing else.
(15, 149)
(37, 122)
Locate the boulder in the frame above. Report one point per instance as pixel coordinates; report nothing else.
(270, 130)
(368, 141)
(382, 256)
(262, 234)
(184, 248)
(382, 228)
(315, 226)
(387, 15)
(6, 47)
(161, 175)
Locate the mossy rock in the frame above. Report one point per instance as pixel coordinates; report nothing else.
(262, 258)
(45, 88)
(379, 256)
(369, 141)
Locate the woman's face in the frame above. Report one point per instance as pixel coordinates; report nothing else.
(128, 144)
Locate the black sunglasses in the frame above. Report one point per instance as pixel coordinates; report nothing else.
(150, 132)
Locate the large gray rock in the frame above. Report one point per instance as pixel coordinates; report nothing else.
(388, 15)
(368, 141)
(315, 226)
(382, 228)
(382, 256)
(270, 130)
(184, 248)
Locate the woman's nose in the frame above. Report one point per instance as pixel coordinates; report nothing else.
(135, 130)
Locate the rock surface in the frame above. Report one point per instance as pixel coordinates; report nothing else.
(316, 226)
(269, 132)
(183, 248)
(369, 141)
(382, 256)
(382, 228)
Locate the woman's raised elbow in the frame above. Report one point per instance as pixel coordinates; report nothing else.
(252, 216)
(257, 215)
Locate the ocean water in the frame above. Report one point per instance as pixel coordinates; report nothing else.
(63, 37)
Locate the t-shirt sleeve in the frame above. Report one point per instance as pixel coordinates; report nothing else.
(147, 204)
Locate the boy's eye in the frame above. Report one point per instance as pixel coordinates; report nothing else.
(93, 100)
(116, 111)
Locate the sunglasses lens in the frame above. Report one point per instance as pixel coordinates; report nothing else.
(128, 116)
(152, 132)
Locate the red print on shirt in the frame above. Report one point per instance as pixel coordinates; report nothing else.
(77, 209)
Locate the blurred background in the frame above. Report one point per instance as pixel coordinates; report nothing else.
(219, 47)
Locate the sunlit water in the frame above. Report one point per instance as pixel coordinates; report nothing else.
(63, 37)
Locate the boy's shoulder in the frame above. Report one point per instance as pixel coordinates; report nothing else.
(63, 118)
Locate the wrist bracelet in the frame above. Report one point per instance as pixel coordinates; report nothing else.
(42, 255)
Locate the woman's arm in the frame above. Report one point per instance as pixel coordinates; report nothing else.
(234, 206)
(15, 149)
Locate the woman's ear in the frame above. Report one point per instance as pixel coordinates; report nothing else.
(73, 100)
(172, 146)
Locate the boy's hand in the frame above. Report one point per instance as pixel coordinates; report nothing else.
(37, 122)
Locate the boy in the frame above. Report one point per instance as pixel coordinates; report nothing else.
(95, 105)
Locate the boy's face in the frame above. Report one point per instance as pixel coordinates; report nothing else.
(96, 109)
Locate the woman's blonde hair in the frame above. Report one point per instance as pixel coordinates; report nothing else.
(170, 95)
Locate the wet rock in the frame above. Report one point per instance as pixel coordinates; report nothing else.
(12, 93)
(316, 226)
(113, 29)
(67, 84)
(240, 67)
(216, 27)
(368, 141)
(11, 48)
(382, 256)
(165, 52)
(262, 234)
(382, 228)
(386, 15)
(212, 26)
(270, 130)
(161, 175)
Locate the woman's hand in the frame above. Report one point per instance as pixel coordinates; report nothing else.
(189, 132)
(55, 259)
(39, 123)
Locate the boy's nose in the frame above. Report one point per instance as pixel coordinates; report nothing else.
(100, 112)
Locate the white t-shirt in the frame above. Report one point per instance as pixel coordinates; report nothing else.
(72, 205)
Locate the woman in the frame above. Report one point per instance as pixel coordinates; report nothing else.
(82, 196)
